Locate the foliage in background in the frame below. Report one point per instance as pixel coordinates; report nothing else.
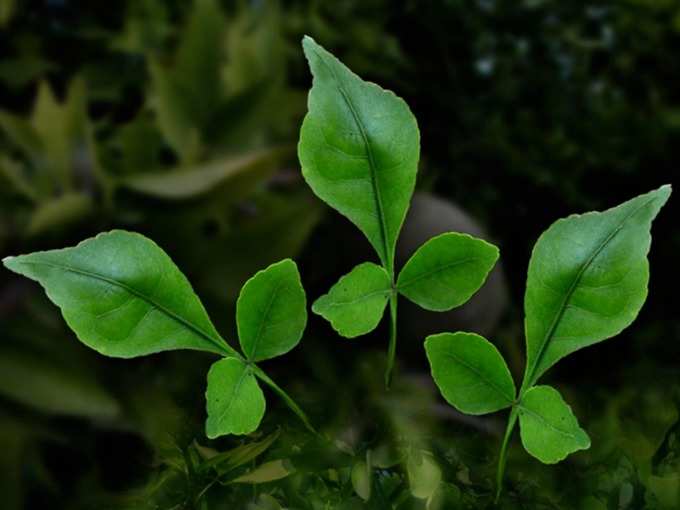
(528, 111)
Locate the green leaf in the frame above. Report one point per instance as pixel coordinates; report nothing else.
(355, 305)
(21, 133)
(188, 93)
(271, 311)
(224, 462)
(123, 296)
(666, 459)
(53, 387)
(359, 148)
(67, 209)
(424, 474)
(548, 428)
(267, 472)
(587, 279)
(470, 372)
(235, 402)
(362, 479)
(446, 271)
(182, 184)
(265, 502)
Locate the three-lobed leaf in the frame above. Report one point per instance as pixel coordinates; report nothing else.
(234, 400)
(548, 428)
(446, 271)
(587, 279)
(470, 372)
(355, 305)
(122, 296)
(359, 148)
(271, 311)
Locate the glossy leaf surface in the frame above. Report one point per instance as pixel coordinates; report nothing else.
(235, 402)
(587, 279)
(446, 271)
(548, 428)
(359, 149)
(271, 311)
(355, 305)
(122, 295)
(470, 372)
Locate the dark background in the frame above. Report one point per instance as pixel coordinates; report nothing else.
(528, 110)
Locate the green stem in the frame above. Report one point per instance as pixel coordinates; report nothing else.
(392, 348)
(285, 397)
(500, 474)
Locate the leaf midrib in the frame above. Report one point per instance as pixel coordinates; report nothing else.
(482, 376)
(237, 387)
(363, 297)
(543, 420)
(196, 329)
(265, 316)
(563, 305)
(433, 272)
(371, 161)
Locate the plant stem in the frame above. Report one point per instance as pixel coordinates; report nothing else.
(392, 348)
(285, 397)
(512, 421)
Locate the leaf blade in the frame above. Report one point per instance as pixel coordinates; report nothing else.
(587, 279)
(243, 408)
(188, 183)
(271, 311)
(123, 296)
(359, 149)
(462, 361)
(356, 303)
(548, 428)
(446, 271)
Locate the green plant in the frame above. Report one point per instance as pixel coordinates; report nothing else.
(359, 149)
(124, 297)
(587, 281)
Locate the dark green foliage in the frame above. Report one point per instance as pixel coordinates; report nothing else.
(528, 111)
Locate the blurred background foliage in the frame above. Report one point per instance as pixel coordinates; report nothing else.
(179, 119)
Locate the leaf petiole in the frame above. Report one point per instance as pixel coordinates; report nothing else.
(500, 473)
(392, 347)
(259, 373)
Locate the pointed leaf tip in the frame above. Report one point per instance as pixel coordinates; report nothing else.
(587, 279)
(161, 310)
(359, 148)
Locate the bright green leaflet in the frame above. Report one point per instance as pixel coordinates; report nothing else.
(587, 281)
(548, 428)
(124, 297)
(355, 305)
(470, 372)
(271, 312)
(235, 402)
(446, 271)
(359, 149)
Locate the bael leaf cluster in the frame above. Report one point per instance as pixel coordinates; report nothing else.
(587, 281)
(124, 297)
(359, 149)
